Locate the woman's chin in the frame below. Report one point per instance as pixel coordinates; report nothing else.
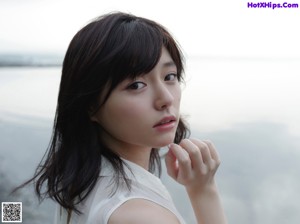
(164, 143)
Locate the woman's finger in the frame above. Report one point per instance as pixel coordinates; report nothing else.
(183, 159)
(171, 164)
(204, 149)
(214, 153)
(194, 153)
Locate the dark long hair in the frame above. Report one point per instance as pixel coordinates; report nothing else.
(102, 54)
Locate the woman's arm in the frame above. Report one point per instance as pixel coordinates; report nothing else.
(193, 163)
(137, 211)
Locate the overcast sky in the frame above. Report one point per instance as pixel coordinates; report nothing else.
(205, 28)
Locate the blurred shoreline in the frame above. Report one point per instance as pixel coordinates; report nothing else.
(56, 59)
(30, 60)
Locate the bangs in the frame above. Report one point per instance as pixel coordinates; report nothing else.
(137, 50)
(130, 47)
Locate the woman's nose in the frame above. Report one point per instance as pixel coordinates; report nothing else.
(163, 97)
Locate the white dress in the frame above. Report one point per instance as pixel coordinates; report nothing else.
(103, 201)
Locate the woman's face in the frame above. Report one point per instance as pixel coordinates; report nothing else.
(143, 112)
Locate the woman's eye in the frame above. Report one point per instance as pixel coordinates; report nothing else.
(136, 85)
(171, 77)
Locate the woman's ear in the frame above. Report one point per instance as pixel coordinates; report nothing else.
(93, 114)
(94, 118)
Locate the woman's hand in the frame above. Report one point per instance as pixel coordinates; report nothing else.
(193, 163)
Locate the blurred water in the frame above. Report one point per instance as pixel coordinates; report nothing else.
(249, 109)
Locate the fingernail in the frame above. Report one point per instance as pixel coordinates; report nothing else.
(170, 145)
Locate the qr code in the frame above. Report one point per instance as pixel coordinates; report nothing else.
(11, 212)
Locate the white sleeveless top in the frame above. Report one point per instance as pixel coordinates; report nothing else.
(104, 199)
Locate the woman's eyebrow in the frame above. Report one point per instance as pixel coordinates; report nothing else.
(169, 64)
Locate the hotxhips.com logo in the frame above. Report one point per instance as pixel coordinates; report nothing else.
(272, 5)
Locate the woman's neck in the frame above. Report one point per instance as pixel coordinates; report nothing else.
(137, 154)
(140, 157)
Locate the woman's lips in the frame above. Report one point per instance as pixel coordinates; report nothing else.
(165, 124)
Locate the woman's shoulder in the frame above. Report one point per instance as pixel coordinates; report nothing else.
(136, 211)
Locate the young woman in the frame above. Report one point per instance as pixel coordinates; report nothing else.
(118, 104)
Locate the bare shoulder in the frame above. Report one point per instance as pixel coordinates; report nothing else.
(136, 211)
